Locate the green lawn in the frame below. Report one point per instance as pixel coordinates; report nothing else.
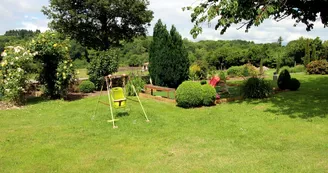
(286, 133)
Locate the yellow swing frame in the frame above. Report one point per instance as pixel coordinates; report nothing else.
(116, 97)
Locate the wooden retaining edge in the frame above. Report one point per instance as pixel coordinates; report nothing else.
(143, 95)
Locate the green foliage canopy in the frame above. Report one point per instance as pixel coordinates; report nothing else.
(254, 12)
(99, 24)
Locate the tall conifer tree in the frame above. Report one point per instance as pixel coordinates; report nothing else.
(168, 58)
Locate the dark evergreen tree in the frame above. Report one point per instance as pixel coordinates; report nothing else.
(177, 62)
(158, 53)
(168, 58)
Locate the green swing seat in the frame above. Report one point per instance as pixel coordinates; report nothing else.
(118, 97)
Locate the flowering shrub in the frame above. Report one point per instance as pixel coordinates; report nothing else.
(13, 75)
(57, 71)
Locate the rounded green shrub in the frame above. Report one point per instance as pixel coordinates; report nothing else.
(189, 94)
(294, 84)
(242, 71)
(298, 69)
(235, 71)
(283, 79)
(209, 95)
(256, 88)
(87, 87)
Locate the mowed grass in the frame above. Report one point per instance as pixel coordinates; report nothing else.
(286, 133)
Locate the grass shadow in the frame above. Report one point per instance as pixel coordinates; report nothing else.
(310, 101)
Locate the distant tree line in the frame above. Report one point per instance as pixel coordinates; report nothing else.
(220, 54)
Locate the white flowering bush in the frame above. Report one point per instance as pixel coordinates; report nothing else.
(57, 70)
(13, 74)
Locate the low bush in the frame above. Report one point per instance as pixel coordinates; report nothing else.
(296, 69)
(235, 71)
(80, 63)
(203, 82)
(209, 95)
(189, 94)
(294, 84)
(317, 67)
(250, 70)
(283, 79)
(256, 88)
(137, 82)
(242, 71)
(87, 87)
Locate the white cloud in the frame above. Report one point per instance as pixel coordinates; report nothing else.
(41, 25)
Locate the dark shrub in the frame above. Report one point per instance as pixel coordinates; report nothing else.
(209, 95)
(283, 79)
(256, 88)
(317, 67)
(203, 82)
(189, 94)
(294, 84)
(298, 69)
(87, 87)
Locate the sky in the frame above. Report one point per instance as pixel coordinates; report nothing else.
(26, 14)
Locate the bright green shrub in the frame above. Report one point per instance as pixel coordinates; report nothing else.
(242, 71)
(189, 94)
(317, 67)
(138, 83)
(235, 71)
(80, 63)
(249, 70)
(87, 87)
(102, 64)
(256, 88)
(209, 95)
(294, 84)
(283, 79)
(298, 69)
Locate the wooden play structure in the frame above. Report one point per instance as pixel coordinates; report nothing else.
(116, 97)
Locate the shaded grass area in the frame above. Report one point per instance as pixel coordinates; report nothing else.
(286, 133)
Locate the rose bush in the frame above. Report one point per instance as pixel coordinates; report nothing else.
(13, 73)
(57, 70)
